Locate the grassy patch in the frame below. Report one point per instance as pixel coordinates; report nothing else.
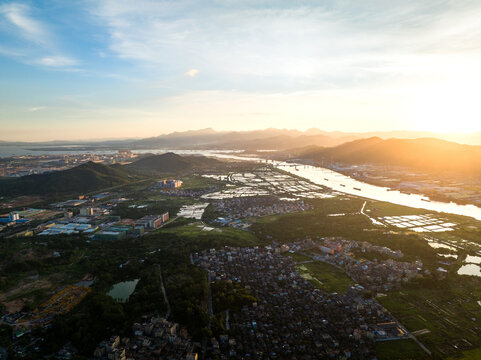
(399, 350)
(199, 182)
(317, 223)
(380, 208)
(297, 257)
(474, 354)
(325, 276)
(194, 234)
(446, 308)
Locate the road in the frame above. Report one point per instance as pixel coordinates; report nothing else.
(421, 345)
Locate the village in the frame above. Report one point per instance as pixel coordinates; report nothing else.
(239, 212)
(154, 338)
(292, 315)
(318, 296)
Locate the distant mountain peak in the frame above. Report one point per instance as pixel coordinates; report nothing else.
(430, 154)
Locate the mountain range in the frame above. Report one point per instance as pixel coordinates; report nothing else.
(423, 153)
(267, 139)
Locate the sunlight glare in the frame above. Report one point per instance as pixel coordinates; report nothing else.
(447, 107)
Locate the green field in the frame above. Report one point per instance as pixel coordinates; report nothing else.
(444, 307)
(199, 182)
(380, 208)
(325, 276)
(399, 350)
(297, 257)
(474, 354)
(195, 235)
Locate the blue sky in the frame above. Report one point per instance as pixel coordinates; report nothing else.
(107, 69)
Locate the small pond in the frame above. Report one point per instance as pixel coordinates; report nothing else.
(122, 290)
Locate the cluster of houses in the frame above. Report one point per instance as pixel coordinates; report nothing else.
(169, 184)
(292, 318)
(375, 275)
(188, 192)
(368, 247)
(235, 210)
(154, 338)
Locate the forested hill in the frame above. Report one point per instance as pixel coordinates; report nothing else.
(425, 153)
(83, 178)
(172, 163)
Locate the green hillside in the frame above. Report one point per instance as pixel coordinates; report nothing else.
(426, 153)
(83, 178)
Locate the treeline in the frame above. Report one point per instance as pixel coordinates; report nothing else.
(230, 295)
(96, 318)
(352, 226)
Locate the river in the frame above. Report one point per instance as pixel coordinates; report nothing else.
(348, 185)
(315, 174)
(345, 184)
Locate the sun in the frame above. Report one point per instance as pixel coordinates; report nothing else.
(452, 107)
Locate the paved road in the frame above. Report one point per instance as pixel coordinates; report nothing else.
(421, 345)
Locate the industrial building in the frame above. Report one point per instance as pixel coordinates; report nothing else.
(152, 221)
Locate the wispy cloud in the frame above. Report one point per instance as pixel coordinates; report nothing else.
(353, 64)
(336, 42)
(37, 108)
(40, 47)
(57, 61)
(192, 73)
(17, 15)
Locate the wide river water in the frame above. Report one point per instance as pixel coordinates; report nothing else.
(342, 183)
(346, 184)
(317, 175)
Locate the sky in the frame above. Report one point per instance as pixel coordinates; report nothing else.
(122, 69)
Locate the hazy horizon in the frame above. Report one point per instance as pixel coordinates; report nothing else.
(470, 138)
